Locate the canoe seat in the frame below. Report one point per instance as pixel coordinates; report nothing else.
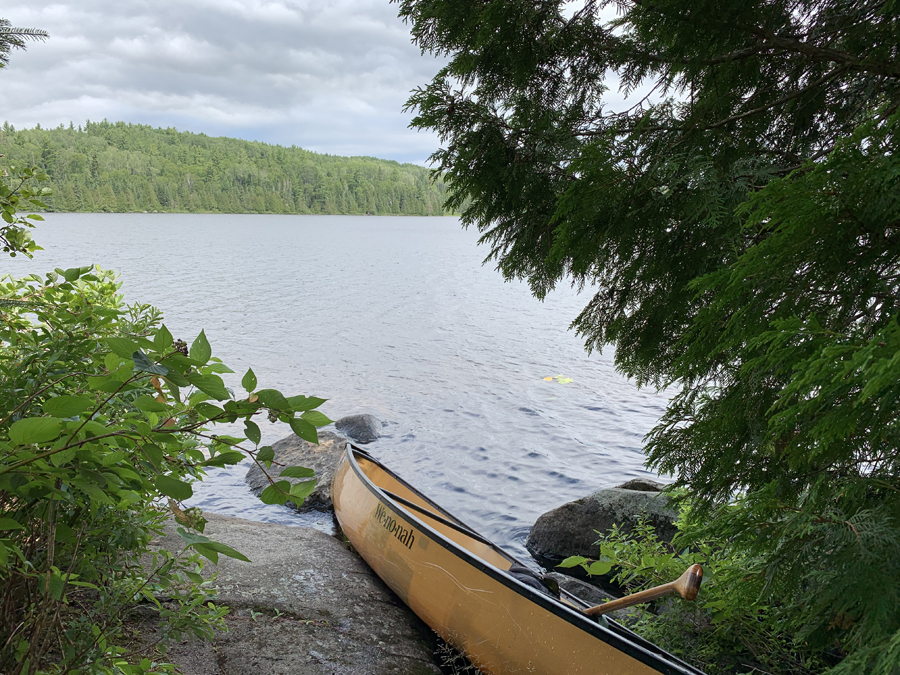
(529, 578)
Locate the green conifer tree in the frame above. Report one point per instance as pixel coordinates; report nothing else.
(739, 217)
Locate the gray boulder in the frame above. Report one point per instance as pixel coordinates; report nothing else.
(360, 428)
(573, 528)
(294, 451)
(305, 605)
(642, 485)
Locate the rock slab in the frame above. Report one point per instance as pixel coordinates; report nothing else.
(359, 428)
(294, 451)
(573, 528)
(306, 605)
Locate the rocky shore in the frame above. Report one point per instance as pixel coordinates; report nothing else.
(309, 605)
(305, 605)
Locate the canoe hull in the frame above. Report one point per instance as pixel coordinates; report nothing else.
(500, 624)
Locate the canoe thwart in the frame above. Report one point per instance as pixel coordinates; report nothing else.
(687, 586)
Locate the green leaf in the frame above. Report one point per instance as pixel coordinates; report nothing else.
(180, 362)
(108, 384)
(121, 347)
(124, 373)
(91, 428)
(225, 458)
(209, 384)
(252, 431)
(176, 379)
(208, 410)
(228, 440)
(248, 382)
(599, 568)
(190, 538)
(143, 363)
(207, 552)
(10, 524)
(297, 472)
(57, 583)
(72, 274)
(219, 368)
(265, 454)
(198, 397)
(193, 576)
(162, 340)
(316, 418)
(34, 430)
(67, 406)
(276, 494)
(303, 489)
(573, 561)
(304, 403)
(226, 550)
(304, 430)
(154, 454)
(128, 497)
(64, 532)
(173, 488)
(114, 457)
(95, 493)
(112, 362)
(200, 349)
(272, 398)
(57, 459)
(150, 404)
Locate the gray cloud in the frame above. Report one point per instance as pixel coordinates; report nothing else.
(327, 76)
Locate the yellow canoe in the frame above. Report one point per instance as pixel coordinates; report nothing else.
(460, 584)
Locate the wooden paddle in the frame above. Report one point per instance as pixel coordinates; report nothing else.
(687, 586)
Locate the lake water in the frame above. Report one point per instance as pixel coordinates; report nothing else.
(391, 316)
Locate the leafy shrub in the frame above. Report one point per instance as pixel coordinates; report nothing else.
(17, 188)
(726, 629)
(104, 424)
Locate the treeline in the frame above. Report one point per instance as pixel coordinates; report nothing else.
(118, 167)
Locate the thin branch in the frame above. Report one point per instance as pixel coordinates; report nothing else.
(784, 99)
(37, 393)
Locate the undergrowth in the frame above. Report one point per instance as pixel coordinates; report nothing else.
(726, 630)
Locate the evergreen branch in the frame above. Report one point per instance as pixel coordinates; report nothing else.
(828, 55)
(784, 99)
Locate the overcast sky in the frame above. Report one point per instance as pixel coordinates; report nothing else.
(330, 76)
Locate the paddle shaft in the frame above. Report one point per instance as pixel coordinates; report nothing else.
(687, 586)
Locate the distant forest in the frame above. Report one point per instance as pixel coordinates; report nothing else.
(118, 167)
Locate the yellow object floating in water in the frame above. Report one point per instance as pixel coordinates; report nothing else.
(561, 379)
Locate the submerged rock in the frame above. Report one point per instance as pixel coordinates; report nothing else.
(360, 428)
(305, 605)
(294, 451)
(573, 528)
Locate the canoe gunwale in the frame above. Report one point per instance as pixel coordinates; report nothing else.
(617, 636)
(449, 523)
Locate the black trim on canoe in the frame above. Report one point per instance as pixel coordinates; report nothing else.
(449, 523)
(444, 513)
(614, 634)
